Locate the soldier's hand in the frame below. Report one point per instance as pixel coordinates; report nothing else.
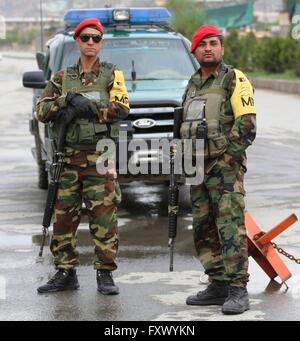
(66, 115)
(83, 106)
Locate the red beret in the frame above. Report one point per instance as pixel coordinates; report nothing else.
(91, 22)
(203, 32)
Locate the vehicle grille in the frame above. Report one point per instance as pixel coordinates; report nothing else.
(161, 113)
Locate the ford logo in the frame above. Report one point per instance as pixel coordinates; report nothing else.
(144, 123)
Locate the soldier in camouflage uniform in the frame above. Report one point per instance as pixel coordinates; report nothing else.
(218, 203)
(95, 96)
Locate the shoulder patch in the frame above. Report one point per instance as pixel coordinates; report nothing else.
(242, 99)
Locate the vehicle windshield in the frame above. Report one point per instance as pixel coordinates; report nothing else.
(152, 58)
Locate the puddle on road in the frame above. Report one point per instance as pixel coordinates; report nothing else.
(139, 238)
(143, 226)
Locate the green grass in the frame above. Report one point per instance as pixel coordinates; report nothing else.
(287, 75)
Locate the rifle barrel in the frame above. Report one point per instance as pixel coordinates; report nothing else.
(54, 184)
(171, 255)
(173, 187)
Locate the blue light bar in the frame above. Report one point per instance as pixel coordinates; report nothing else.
(149, 15)
(138, 16)
(75, 16)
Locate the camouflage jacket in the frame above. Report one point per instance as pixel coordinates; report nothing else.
(52, 100)
(243, 131)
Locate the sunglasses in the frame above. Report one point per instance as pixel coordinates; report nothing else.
(86, 37)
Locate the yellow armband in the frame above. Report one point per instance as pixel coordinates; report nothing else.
(242, 99)
(118, 92)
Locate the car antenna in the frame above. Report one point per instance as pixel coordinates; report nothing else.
(133, 72)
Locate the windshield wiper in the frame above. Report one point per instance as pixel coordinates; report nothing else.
(150, 79)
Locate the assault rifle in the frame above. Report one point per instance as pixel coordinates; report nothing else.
(56, 170)
(173, 187)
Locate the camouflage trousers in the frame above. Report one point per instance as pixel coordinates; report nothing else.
(218, 223)
(101, 195)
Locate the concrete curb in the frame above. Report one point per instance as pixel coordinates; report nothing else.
(290, 87)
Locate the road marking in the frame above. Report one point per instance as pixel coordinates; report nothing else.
(212, 313)
(177, 299)
(189, 278)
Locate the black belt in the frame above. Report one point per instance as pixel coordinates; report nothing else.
(85, 147)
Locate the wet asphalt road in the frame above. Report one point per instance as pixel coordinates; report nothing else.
(148, 290)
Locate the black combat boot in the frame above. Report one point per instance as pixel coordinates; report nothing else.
(214, 294)
(106, 285)
(237, 301)
(62, 280)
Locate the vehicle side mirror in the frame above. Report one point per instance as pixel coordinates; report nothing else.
(40, 59)
(34, 80)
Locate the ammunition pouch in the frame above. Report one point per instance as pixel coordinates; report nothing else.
(193, 130)
(215, 142)
(84, 135)
(216, 146)
(188, 129)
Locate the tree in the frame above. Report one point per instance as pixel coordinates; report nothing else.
(185, 19)
(246, 56)
(271, 54)
(294, 49)
(232, 48)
